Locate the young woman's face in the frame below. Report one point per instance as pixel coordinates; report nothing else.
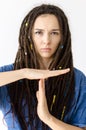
(46, 35)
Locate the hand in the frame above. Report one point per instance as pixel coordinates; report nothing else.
(42, 74)
(45, 116)
(42, 108)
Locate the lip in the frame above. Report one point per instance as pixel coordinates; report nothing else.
(45, 49)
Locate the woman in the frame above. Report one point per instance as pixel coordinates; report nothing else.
(51, 102)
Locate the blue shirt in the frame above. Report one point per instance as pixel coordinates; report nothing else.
(76, 116)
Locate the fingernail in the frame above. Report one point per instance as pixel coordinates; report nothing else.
(68, 69)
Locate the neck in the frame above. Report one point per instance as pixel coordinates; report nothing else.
(44, 63)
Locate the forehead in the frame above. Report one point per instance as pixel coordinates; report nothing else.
(46, 20)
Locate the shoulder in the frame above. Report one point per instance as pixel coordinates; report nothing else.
(79, 73)
(6, 68)
(80, 85)
(80, 78)
(77, 114)
(3, 90)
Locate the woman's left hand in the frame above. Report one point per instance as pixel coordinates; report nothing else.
(42, 108)
(45, 116)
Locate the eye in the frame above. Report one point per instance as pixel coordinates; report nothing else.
(39, 32)
(54, 33)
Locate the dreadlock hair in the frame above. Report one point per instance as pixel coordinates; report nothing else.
(60, 89)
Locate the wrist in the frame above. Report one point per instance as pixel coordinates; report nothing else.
(48, 119)
(22, 73)
(25, 73)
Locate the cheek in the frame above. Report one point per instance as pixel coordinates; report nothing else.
(37, 42)
(55, 45)
(37, 45)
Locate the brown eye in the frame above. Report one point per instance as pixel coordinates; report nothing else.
(55, 33)
(39, 33)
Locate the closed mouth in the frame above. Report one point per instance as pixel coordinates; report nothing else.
(45, 49)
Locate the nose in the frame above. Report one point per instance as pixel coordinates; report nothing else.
(46, 39)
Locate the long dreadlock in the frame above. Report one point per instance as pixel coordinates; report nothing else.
(60, 89)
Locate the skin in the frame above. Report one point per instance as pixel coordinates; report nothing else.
(26, 73)
(45, 116)
(46, 36)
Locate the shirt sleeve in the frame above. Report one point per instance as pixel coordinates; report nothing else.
(6, 68)
(78, 115)
(3, 90)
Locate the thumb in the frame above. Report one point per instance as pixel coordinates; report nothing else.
(37, 95)
(42, 87)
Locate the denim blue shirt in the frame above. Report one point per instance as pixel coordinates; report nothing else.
(76, 116)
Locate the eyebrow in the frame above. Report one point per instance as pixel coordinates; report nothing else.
(43, 30)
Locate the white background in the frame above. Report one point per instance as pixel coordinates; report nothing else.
(12, 13)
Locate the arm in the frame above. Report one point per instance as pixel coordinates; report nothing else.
(57, 124)
(12, 76)
(44, 114)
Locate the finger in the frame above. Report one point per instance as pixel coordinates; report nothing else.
(42, 86)
(37, 95)
(58, 72)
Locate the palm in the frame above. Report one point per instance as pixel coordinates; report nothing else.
(43, 74)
